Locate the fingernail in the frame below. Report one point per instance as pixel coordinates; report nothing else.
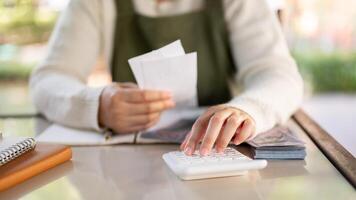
(219, 149)
(188, 151)
(182, 147)
(204, 152)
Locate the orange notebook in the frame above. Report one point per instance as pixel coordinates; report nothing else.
(43, 157)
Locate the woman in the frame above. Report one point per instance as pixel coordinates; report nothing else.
(234, 39)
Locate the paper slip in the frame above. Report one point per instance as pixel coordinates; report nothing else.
(176, 74)
(171, 50)
(170, 69)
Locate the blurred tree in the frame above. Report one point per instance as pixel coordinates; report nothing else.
(25, 21)
(328, 72)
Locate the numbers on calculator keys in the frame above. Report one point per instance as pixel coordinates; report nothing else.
(229, 154)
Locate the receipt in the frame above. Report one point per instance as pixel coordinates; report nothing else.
(169, 69)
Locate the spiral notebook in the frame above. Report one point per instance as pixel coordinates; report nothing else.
(11, 148)
(34, 162)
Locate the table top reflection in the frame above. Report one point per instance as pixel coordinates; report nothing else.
(139, 172)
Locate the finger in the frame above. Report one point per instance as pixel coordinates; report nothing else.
(229, 130)
(247, 129)
(253, 133)
(195, 136)
(141, 119)
(139, 96)
(213, 129)
(143, 127)
(151, 107)
(185, 142)
(182, 146)
(153, 122)
(197, 132)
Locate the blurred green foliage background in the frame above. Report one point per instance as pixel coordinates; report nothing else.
(26, 22)
(328, 72)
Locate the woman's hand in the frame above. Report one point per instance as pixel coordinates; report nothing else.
(125, 108)
(218, 125)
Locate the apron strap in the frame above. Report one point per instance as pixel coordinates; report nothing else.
(124, 7)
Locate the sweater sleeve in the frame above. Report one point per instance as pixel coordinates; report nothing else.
(58, 84)
(272, 87)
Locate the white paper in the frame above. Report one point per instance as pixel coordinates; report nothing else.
(171, 50)
(136, 65)
(177, 75)
(63, 135)
(169, 69)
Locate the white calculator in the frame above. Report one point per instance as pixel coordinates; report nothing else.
(228, 163)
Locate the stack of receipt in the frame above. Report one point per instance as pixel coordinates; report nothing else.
(278, 143)
(171, 69)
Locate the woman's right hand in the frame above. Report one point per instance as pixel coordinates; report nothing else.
(125, 108)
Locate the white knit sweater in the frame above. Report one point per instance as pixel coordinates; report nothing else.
(271, 84)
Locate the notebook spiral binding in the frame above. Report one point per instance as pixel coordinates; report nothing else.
(16, 150)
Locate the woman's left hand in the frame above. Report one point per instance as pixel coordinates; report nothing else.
(218, 125)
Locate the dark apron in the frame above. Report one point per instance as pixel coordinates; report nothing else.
(203, 31)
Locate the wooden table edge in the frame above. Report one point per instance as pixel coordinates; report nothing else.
(334, 151)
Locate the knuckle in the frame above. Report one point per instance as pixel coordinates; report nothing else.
(243, 116)
(115, 97)
(250, 121)
(197, 124)
(118, 93)
(216, 119)
(233, 119)
(226, 108)
(198, 121)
